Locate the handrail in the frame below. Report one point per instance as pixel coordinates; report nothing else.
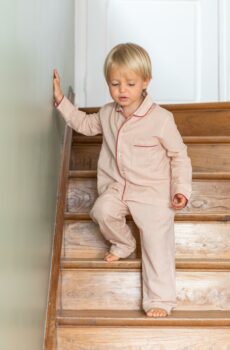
(49, 343)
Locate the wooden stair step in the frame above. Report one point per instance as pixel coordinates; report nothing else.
(116, 288)
(178, 217)
(79, 174)
(208, 197)
(82, 139)
(177, 318)
(200, 119)
(142, 338)
(128, 264)
(205, 157)
(203, 240)
(183, 107)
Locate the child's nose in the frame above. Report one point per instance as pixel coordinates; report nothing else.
(122, 88)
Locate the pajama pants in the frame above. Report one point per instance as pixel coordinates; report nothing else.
(156, 226)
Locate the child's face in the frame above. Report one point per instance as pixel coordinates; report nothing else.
(126, 87)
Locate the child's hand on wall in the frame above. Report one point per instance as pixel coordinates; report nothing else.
(179, 201)
(57, 92)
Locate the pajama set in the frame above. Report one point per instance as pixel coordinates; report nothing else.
(143, 163)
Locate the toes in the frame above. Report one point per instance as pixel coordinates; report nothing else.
(157, 313)
(110, 257)
(107, 256)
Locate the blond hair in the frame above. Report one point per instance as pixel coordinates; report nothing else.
(130, 56)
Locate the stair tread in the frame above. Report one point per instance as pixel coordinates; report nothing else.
(196, 174)
(98, 263)
(138, 317)
(187, 139)
(178, 217)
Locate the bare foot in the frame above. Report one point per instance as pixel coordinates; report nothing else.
(111, 257)
(156, 312)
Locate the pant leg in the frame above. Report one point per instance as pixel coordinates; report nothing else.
(109, 212)
(156, 225)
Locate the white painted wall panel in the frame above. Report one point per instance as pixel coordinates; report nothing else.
(224, 49)
(227, 49)
(182, 37)
(169, 30)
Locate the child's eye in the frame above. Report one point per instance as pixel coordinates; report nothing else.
(114, 84)
(131, 84)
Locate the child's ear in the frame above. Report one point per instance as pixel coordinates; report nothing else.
(146, 83)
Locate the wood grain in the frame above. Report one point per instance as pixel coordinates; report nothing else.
(196, 107)
(84, 157)
(225, 217)
(207, 196)
(136, 264)
(221, 175)
(121, 289)
(82, 139)
(204, 157)
(81, 195)
(138, 318)
(210, 157)
(50, 332)
(143, 338)
(83, 239)
(100, 302)
(203, 122)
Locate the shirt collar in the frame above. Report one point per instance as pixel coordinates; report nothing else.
(143, 109)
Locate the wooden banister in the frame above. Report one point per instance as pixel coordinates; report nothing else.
(50, 337)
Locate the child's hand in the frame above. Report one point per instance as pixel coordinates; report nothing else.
(57, 92)
(179, 201)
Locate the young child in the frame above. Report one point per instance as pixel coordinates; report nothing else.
(143, 170)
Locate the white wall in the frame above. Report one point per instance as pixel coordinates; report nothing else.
(188, 41)
(35, 37)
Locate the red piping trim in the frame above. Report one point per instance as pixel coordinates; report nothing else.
(152, 106)
(145, 145)
(117, 147)
(117, 152)
(149, 110)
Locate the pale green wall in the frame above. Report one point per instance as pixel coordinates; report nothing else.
(35, 37)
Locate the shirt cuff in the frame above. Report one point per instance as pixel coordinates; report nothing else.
(183, 190)
(57, 104)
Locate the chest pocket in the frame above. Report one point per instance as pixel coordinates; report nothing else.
(144, 151)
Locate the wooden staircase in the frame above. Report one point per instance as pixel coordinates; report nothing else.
(96, 305)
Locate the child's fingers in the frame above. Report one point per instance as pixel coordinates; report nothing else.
(56, 80)
(177, 206)
(179, 201)
(56, 75)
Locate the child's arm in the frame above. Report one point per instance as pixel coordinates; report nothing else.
(87, 124)
(181, 168)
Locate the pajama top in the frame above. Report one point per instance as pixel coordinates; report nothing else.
(143, 157)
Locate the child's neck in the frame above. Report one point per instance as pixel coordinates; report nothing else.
(127, 112)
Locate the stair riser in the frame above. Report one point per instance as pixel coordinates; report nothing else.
(202, 240)
(207, 196)
(197, 120)
(106, 289)
(153, 338)
(204, 157)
